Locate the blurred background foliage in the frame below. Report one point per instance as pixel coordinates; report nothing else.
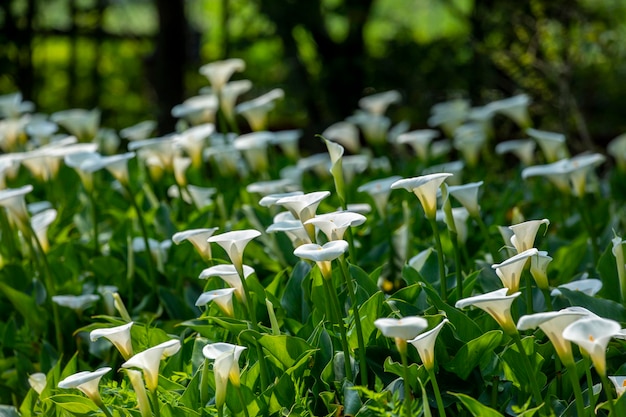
(136, 59)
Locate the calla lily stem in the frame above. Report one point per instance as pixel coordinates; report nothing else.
(442, 267)
(144, 233)
(534, 387)
(407, 386)
(357, 320)
(578, 395)
(433, 381)
(155, 403)
(609, 394)
(342, 330)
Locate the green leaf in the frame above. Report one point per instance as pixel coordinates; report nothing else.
(286, 349)
(368, 312)
(607, 269)
(26, 306)
(294, 301)
(473, 352)
(465, 327)
(363, 280)
(76, 404)
(604, 308)
(475, 407)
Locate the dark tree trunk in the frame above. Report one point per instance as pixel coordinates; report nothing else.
(169, 61)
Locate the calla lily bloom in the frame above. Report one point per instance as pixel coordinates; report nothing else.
(150, 359)
(334, 225)
(76, 302)
(287, 141)
(524, 149)
(303, 206)
(459, 218)
(552, 144)
(379, 190)
(555, 172)
(12, 199)
(322, 255)
(193, 141)
(425, 188)
(219, 72)
(87, 382)
(234, 244)
(229, 274)
(226, 367)
(140, 131)
(230, 93)
(424, 343)
(271, 188)
(222, 297)
(140, 392)
(40, 223)
(593, 334)
(344, 133)
(497, 304)
(117, 165)
(470, 139)
(253, 146)
(198, 109)
(401, 330)
(617, 149)
(198, 238)
(373, 126)
(467, 195)
(620, 384)
(515, 108)
(378, 103)
(419, 141)
(510, 271)
(524, 234)
(293, 228)
(119, 336)
(449, 115)
(79, 122)
(539, 269)
(37, 381)
(256, 111)
(553, 323)
(589, 286)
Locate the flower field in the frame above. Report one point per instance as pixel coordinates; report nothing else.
(433, 272)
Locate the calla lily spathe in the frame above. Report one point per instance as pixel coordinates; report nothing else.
(424, 343)
(150, 359)
(378, 103)
(524, 234)
(539, 269)
(344, 133)
(12, 199)
(219, 72)
(419, 141)
(37, 382)
(552, 323)
(379, 190)
(552, 144)
(510, 271)
(322, 255)
(229, 274)
(334, 225)
(619, 382)
(226, 367)
(303, 206)
(234, 244)
(467, 195)
(589, 286)
(593, 334)
(198, 238)
(497, 304)
(425, 188)
(222, 297)
(87, 382)
(119, 336)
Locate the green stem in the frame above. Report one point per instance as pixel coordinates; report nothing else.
(103, 407)
(357, 320)
(578, 395)
(529, 295)
(548, 298)
(433, 381)
(334, 300)
(49, 281)
(442, 269)
(407, 387)
(144, 234)
(590, 230)
(457, 265)
(534, 387)
(204, 384)
(94, 215)
(155, 403)
(485, 232)
(592, 397)
(241, 400)
(608, 388)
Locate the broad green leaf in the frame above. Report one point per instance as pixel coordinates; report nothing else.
(425, 405)
(368, 312)
(473, 352)
(286, 349)
(76, 404)
(515, 369)
(475, 407)
(465, 327)
(26, 306)
(607, 269)
(294, 300)
(604, 308)
(363, 280)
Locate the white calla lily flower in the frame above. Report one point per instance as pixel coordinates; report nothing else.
(593, 334)
(119, 336)
(150, 359)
